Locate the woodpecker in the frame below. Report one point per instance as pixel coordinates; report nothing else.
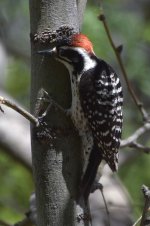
(96, 108)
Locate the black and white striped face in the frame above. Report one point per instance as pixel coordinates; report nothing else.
(75, 58)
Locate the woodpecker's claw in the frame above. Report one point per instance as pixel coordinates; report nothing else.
(44, 133)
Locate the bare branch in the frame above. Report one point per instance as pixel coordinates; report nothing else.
(16, 144)
(140, 147)
(106, 206)
(132, 139)
(117, 51)
(145, 216)
(20, 110)
(138, 220)
(3, 223)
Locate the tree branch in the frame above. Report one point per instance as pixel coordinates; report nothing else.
(145, 216)
(137, 221)
(20, 110)
(57, 169)
(3, 223)
(16, 144)
(117, 51)
(131, 140)
(140, 147)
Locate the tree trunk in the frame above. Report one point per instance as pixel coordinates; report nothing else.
(56, 170)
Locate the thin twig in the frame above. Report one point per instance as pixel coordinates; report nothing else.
(117, 51)
(20, 110)
(3, 223)
(139, 132)
(131, 141)
(106, 207)
(99, 186)
(146, 193)
(140, 147)
(138, 220)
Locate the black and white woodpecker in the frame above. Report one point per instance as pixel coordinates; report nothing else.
(96, 108)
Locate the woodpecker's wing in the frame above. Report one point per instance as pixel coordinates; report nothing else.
(101, 99)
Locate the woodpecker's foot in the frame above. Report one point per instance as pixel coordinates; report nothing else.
(86, 217)
(44, 133)
(83, 211)
(45, 104)
(51, 102)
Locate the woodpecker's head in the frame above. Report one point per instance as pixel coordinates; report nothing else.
(77, 54)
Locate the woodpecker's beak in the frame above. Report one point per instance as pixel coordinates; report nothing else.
(48, 52)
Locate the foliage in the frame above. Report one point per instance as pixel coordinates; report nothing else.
(133, 178)
(135, 56)
(18, 71)
(16, 187)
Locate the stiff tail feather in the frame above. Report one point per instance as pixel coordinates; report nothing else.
(90, 173)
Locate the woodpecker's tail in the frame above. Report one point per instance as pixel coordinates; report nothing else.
(90, 173)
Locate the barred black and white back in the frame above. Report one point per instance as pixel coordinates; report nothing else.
(101, 99)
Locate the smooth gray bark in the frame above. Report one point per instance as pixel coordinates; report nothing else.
(81, 4)
(56, 170)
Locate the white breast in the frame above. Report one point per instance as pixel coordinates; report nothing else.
(77, 113)
(81, 123)
(79, 120)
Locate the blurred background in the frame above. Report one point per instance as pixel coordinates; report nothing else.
(129, 22)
